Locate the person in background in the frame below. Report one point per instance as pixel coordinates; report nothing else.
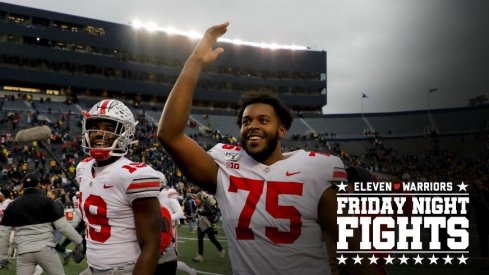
(79, 227)
(52, 194)
(190, 207)
(206, 227)
(33, 215)
(168, 262)
(4, 201)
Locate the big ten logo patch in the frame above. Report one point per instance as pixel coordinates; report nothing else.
(232, 165)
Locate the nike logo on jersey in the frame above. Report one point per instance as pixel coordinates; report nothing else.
(108, 186)
(288, 174)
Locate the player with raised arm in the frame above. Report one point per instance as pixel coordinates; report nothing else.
(275, 205)
(118, 197)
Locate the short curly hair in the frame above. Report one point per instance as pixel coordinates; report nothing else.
(263, 96)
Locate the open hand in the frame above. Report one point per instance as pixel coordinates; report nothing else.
(203, 52)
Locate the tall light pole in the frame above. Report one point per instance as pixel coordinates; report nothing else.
(431, 90)
(364, 95)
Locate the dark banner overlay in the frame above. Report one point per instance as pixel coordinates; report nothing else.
(403, 222)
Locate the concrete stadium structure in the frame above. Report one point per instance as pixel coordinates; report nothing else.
(54, 53)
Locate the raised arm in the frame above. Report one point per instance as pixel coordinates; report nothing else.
(195, 163)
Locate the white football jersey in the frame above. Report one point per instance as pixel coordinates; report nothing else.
(76, 210)
(106, 195)
(168, 197)
(270, 213)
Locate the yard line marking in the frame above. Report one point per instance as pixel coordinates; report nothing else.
(204, 272)
(224, 239)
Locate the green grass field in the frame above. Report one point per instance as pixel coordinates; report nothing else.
(213, 264)
(187, 249)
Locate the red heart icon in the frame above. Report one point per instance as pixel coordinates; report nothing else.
(397, 185)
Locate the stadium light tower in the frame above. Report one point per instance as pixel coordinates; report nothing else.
(364, 95)
(430, 91)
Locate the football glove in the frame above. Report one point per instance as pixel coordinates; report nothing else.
(77, 253)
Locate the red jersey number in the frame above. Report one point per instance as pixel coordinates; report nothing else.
(133, 166)
(231, 147)
(274, 189)
(255, 188)
(98, 227)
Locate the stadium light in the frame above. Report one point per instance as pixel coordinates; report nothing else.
(171, 30)
(152, 27)
(238, 42)
(136, 24)
(194, 34)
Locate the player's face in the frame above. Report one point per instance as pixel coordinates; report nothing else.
(260, 131)
(100, 134)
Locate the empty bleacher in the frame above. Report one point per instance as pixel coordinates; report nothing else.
(344, 127)
(225, 124)
(398, 125)
(297, 128)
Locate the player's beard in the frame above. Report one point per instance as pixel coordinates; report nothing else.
(263, 154)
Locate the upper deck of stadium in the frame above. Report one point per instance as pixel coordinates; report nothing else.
(49, 54)
(54, 51)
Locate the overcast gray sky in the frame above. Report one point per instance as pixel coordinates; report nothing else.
(391, 50)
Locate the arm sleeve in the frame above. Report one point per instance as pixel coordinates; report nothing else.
(144, 184)
(69, 231)
(176, 210)
(339, 172)
(4, 241)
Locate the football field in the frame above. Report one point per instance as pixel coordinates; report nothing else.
(214, 265)
(187, 249)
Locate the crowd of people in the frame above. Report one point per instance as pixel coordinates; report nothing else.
(119, 152)
(20, 159)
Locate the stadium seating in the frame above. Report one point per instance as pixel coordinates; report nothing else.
(398, 125)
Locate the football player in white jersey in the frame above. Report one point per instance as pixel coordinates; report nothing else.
(169, 199)
(118, 197)
(275, 206)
